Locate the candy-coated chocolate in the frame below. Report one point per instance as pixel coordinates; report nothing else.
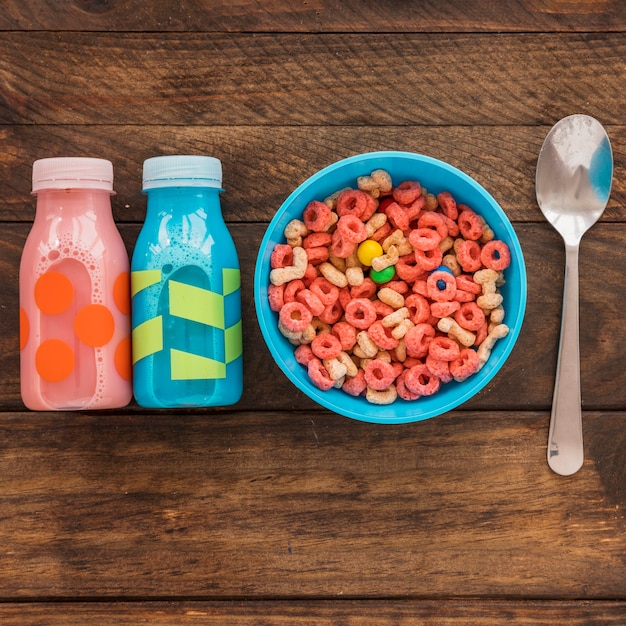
(368, 250)
(384, 276)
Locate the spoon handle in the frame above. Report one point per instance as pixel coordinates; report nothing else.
(565, 439)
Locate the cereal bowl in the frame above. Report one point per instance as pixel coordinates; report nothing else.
(436, 176)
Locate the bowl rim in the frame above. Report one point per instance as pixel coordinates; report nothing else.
(383, 413)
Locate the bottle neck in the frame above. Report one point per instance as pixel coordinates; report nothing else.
(74, 203)
(184, 200)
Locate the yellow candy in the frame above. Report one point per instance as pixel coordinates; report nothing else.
(368, 251)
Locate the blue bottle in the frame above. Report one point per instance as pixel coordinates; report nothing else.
(186, 290)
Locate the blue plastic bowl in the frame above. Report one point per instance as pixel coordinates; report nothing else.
(436, 176)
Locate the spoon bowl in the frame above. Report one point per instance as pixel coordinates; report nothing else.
(573, 184)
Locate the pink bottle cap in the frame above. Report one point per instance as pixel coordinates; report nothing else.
(72, 173)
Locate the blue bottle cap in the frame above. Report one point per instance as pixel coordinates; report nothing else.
(182, 171)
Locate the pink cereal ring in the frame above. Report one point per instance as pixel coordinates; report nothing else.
(420, 380)
(352, 202)
(424, 238)
(465, 364)
(326, 346)
(419, 308)
(346, 333)
(292, 288)
(435, 221)
(316, 216)
(441, 286)
(441, 369)
(324, 290)
(468, 254)
(311, 300)
(318, 375)
(317, 255)
(352, 229)
(382, 233)
(303, 354)
(417, 339)
(382, 309)
(295, 316)
(496, 255)
(481, 334)
(275, 296)
(332, 313)
(361, 313)
(466, 283)
(402, 390)
(407, 192)
(315, 240)
(453, 227)
(470, 225)
(398, 285)
(429, 260)
(310, 274)
(398, 216)
(340, 246)
(470, 316)
(365, 290)
(407, 268)
(443, 348)
(447, 204)
(381, 336)
(355, 385)
(379, 374)
(282, 256)
(444, 309)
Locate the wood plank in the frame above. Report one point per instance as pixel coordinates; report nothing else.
(263, 164)
(303, 504)
(526, 379)
(322, 16)
(319, 613)
(309, 79)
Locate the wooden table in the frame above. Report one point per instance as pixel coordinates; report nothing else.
(275, 511)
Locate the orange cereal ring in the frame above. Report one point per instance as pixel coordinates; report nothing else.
(292, 288)
(424, 238)
(311, 300)
(443, 348)
(295, 316)
(468, 254)
(481, 334)
(470, 225)
(379, 374)
(324, 290)
(352, 229)
(398, 217)
(382, 309)
(361, 313)
(332, 313)
(353, 202)
(341, 247)
(444, 309)
(441, 369)
(417, 339)
(419, 308)
(381, 336)
(419, 286)
(496, 255)
(420, 380)
(275, 296)
(345, 295)
(318, 375)
(435, 221)
(365, 290)
(402, 390)
(470, 316)
(464, 365)
(447, 203)
(398, 285)
(303, 354)
(429, 260)
(317, 255)
(407, 192)
(310, 274)
(382, 233)
(282, 256)
(407, 268)
(314, 240)
(316, 216)
(346, 333)
(326, 346)
(441, 286)
(466, 283)
(355, 385)
(451, 225)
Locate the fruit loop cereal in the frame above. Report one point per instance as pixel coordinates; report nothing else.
(389, 292)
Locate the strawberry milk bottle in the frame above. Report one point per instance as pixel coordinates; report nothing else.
(186, 305)
(74, 292)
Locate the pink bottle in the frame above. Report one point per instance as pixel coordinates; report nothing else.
(74, 292)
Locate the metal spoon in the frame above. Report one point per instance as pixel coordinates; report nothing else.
(573, 182)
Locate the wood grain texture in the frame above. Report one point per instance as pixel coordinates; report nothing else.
(317, 15)
(262, 165)
(306, 504)
(309, 79)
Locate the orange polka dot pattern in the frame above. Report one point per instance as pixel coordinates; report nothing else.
(94, 326)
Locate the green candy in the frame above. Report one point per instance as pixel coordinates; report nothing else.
(384, 276)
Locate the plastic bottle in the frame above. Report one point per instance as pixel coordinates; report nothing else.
(74, 292)
(186, 300)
